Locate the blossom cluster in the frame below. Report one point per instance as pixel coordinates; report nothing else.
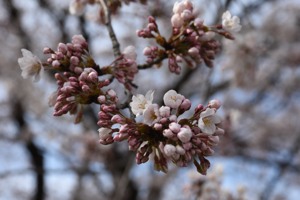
(161, 132)
(191, 41)
(79, 79)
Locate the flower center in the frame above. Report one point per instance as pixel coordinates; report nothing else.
(207, 121)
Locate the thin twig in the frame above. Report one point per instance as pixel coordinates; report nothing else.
(111, 32)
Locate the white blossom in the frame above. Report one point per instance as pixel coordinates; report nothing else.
(185, 135)
(208, 120)
(169, 150)
(151, 114)
(104, 133)
(173, 99)
(130, 53)
(140, 102)
(30, 65)
(229, 23)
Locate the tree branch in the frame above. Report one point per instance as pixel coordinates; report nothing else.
(111, 32)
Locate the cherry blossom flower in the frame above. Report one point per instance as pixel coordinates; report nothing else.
(231, 23)
(140, 102)
(208, 120)
(151, 114)
(173, 99)
(30, 65)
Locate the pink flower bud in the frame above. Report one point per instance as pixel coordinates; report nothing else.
(86, 88)
(157, 126)
(78, 70)
(62, 48)
(101, 99)
(185, 135)
(147, 51)
(152, 27)
(111, 93)
(173, 118)
(169, 150)
(168, 133)
(151, 19)
(174, 127)
(180, 150)
(214, 104)
(186, 104)
(117, 119)
(186, 15)
(47, 50)
(194, 52)
(79, 39)
(93, 77)
(177, 21)
(187, 146)
(55, 63)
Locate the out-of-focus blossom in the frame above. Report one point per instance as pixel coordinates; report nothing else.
(208, 120)
(231, 23)
(30, 65)
(130, 53)
(76, 7)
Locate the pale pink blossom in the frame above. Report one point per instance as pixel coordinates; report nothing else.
(30, 65)
(208, 120)
(140, 102)
(151, 114)
(173, 99)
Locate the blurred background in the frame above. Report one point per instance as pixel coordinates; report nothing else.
(256, 76)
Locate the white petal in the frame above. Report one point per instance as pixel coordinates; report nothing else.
(149, 95)
(209, 129)
(226, 15)
(216, 119)
(207, 112)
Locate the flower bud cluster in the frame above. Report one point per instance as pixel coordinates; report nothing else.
(71, 57)
(124, 68)
(163, 133)
(191, 41)
(74, 91)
